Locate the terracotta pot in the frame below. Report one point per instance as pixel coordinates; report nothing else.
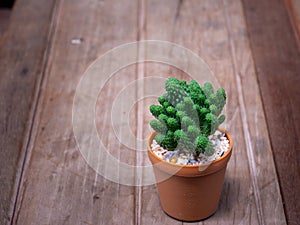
(192, 192)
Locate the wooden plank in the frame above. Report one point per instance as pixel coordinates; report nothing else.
(57, 178)
(277, 64)
(22, 55)
(265, 182)
(219, 35)
(207, 36)
(58, 186)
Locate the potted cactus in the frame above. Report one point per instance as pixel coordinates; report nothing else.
(188, 150)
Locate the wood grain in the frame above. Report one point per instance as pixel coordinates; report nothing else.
(219, 35)
(277, 64)
(23, 52)
(189, 31)
(58, 186)
(265, 183)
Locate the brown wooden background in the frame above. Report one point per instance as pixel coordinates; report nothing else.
(251, 46)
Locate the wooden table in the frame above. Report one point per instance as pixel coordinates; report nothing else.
(252, 48)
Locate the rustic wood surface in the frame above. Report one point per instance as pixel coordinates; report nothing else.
(277, 60)
(23, 56)
(44, 54)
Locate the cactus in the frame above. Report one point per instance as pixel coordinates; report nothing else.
(187, 114)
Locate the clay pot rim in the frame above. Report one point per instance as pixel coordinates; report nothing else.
(206, 165)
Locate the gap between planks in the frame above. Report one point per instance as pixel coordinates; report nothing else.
(140, 69)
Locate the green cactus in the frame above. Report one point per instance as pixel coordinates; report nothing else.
(187, 115)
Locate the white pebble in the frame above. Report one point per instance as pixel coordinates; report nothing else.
(184, 157)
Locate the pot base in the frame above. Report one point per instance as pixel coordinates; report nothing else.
(187, 193)
(190, 198)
